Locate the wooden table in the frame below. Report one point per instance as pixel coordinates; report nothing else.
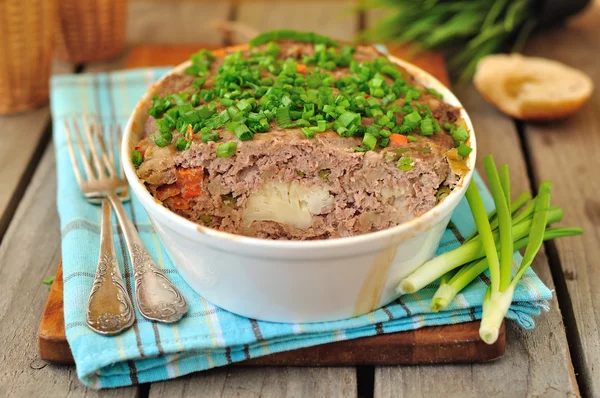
(560, 357)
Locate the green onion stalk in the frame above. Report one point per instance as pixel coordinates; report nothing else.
(469, 251)
(516, 225)
(451, 286)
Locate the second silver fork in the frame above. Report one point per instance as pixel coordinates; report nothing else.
(109, 308)
(157, 298)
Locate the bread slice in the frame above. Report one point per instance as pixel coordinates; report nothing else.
(531, 88)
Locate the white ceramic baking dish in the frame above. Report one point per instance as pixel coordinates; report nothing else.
(296, 281)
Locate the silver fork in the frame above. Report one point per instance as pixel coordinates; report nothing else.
(109, 309)
(157, 298)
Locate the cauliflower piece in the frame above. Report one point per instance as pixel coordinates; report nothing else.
(289, 203)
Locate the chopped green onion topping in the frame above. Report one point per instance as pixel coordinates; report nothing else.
(164, 139)
(305, 37)
(251, 91)
(283, 117)
(426, 126)
(412, 120)
(369, 141)
(308, 132)
(226, 149)
(406, 163)
(182, 144)
(464, 150)
(136, 158)
(433, 91)
(243, 133)
(348, 118)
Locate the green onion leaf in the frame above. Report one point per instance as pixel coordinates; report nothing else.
(538, 226)
(182, 144)
(226, 149)
(283, 117)
(348, 118)
(433, 91)
(406, 163)
(308, 132)
(164, 139)
(243, 133)
(464, 150)
(412, 120)
(426, 126)
(136, 158)
(199, 82)
(226, 102)
(369, 141)
(504, 226)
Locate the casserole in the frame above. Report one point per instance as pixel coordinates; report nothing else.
(296, 281)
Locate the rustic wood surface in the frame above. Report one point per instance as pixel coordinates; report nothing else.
(28, 253)
(16, 167)
(537, 362)
(262, 382)
(568, 154)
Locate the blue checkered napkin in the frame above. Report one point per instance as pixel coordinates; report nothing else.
(209, 336)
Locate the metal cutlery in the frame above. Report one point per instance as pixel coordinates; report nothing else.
(157, 298)
(110, 310)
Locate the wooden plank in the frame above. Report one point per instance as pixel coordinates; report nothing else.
(536, 361)
(566, 152)
(263, 382)
(175, 22)
(334, 18)
(28, 253)
(26, 132)
(23, 139)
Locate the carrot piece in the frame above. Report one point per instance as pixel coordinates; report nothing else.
(190, 181)
(301, 68)
(398, 139)
(192, 190)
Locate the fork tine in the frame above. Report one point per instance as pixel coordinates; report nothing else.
(84, 158)
(72, 153)
(119, 142)
(112, 150)
(98, 129)
(93, 147)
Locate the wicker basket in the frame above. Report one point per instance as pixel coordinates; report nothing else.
(90, 30)
(26, 29)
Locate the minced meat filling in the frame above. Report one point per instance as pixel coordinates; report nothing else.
(295, 140)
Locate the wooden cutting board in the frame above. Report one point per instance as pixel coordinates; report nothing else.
(439, 344)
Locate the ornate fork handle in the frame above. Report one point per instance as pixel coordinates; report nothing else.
(157, 298)
(110, 310)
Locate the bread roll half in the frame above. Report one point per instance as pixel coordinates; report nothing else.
(531, 88)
